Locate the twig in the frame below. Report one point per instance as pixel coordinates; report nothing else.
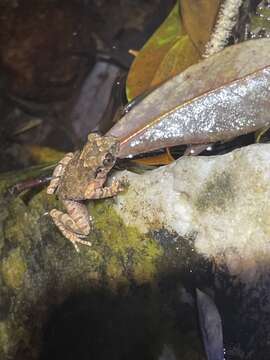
(28, 184)
(226, 20)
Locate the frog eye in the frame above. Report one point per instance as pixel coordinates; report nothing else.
(109, 159)
(99, 170)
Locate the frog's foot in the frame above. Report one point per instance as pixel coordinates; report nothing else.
(75, 225)
(58, 172)
(107, 191)
(123, 183)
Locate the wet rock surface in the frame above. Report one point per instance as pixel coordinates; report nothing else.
(58, 303)
(222, 203)
(192, 224)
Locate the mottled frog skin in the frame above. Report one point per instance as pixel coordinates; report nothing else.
(80, 176)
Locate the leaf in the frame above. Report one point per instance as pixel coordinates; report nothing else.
(161, 159)
(211, 326)
(223, 96)
(260, 133)
(168, 52)
(199, 17)
(179, 57)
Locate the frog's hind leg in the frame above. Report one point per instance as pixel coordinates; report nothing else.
(75, 224)
(58, 172)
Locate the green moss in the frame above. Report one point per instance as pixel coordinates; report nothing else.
(217, 193)
(10, 335)
(4, 337)
(33, 246)
(126, 252)
(26, 226)
(260, 20)
(13, 269)
(18, 225)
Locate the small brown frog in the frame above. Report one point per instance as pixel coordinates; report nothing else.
(80, 176)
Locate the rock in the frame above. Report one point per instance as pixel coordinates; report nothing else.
(220, 204)
(42, 49)
(55, 302)
(201, 222)
(223, 201)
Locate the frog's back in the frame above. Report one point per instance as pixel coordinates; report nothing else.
(75, 180)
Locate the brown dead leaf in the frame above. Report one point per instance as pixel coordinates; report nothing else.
(157, 160)
(199, 17)
(168, 52)
(179, 57)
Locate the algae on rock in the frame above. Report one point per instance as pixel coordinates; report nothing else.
(199, 222)
(40, 269)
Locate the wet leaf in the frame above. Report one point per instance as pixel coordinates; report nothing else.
(168, 52)
(199, 17)
(161, 159)
(221, 97)
(179, 57)
(210, 325)
(260, 133)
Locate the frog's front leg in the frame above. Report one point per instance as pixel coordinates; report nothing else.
(58, 172)
(94, 192)
(75, 224)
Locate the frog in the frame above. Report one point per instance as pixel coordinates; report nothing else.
(81, 176)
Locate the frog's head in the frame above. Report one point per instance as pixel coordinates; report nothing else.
(99, 154)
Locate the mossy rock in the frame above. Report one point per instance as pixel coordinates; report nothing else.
(43, 279)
